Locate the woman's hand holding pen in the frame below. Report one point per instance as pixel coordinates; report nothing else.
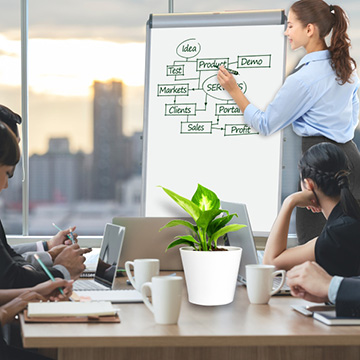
(50, 289)
(62, 237)
(13, 307)
(227, 81)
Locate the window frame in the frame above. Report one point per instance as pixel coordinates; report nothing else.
(85, 241)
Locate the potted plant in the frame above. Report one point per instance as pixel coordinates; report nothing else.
(210, 270)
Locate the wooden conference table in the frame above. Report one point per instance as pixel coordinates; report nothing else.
(239, 330)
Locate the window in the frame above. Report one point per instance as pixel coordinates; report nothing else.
(85, 116)
(86, 73)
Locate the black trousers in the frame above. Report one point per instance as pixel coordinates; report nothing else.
(12, 353)
(308, 224)
(8, 352)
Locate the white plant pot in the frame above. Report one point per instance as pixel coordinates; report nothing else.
(211, 276)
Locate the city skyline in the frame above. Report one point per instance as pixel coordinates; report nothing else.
(86, 190)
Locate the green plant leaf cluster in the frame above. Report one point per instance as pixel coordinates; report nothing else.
(204, 208)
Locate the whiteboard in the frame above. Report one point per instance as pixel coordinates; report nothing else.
(194, 133)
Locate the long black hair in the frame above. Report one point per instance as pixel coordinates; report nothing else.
(327, 165)
(326, 18)
(9, 148)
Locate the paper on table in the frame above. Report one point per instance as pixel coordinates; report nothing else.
(52, 309)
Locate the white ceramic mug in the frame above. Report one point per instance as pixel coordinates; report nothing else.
(166, 296)
(259, 282)
(144, 270)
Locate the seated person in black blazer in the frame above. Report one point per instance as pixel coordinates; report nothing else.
(14, 301)
(324, 171)
(46, 250)
(15, 272)
(311, 282)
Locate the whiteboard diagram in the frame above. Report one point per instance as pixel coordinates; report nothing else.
(193, 130)
(194, 74)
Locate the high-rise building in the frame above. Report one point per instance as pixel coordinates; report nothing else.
(110, 145)
(57, 175)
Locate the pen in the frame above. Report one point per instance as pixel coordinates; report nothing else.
(48, 273)
(234, 72)
(71, 236)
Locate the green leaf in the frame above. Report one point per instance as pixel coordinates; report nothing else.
(185, 240)
(207, 217)
(205, 199)
(173, 223)
(219, 223)
(229, 228)
(191, 208)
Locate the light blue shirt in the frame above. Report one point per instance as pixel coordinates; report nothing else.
(313, 101)
(334, 288)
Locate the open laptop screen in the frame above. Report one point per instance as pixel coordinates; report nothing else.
(143, 240)
(243, 237)
(109, 254)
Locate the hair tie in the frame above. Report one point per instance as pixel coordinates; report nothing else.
(332, 10)
(341, 178)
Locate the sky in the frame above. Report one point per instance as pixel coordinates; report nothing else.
(73, 43)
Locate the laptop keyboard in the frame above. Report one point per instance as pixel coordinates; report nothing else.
(277, 282)
(277, 279)
(80, 285)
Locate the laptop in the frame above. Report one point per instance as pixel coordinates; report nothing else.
(244, 238)
(101, 288)
(143, 240)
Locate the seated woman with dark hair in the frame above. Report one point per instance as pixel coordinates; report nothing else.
(46, 250)
(325, 188)
(15, 272)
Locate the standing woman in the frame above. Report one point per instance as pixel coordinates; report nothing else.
(319, 98)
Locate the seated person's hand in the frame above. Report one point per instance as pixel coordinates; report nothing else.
(309, 281)
(61, 238)
(50, 289)
(72, 257)
(13, 307)
(56, 250)
(305, 199)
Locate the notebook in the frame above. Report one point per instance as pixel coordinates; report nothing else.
(143, 240)
(101, 288)
(330, 318)
(244, 238)
(68, 308)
